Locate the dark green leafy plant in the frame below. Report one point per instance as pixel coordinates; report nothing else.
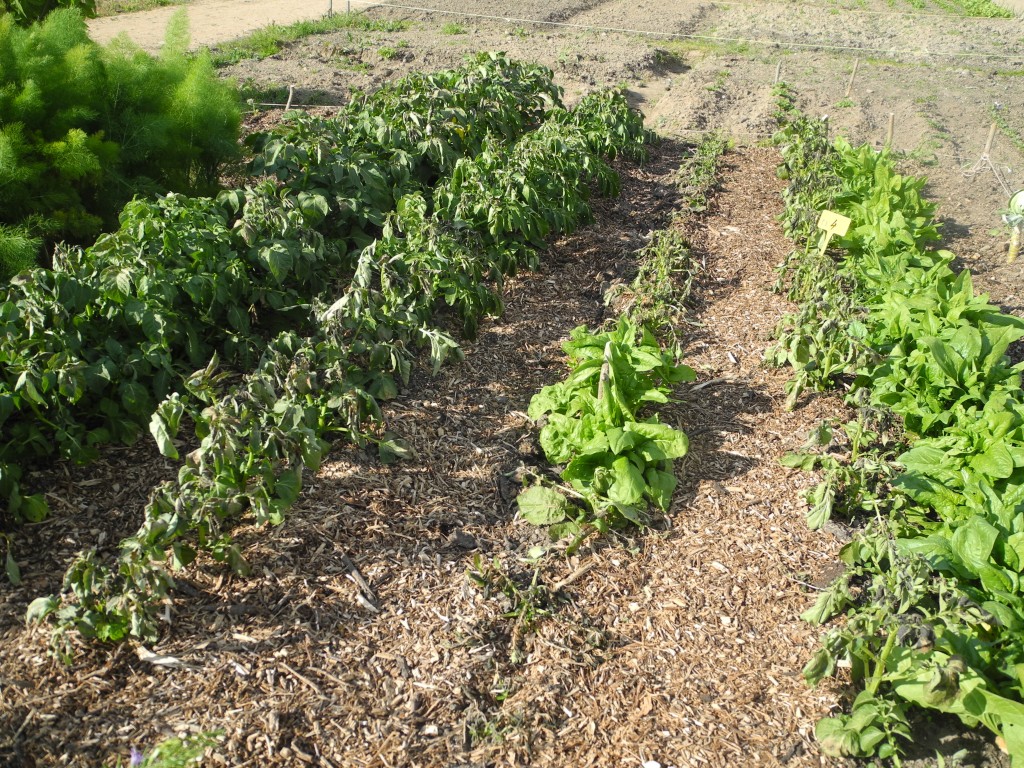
(931, 602)
(616, 461)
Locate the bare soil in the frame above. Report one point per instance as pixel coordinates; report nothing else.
(680, 645)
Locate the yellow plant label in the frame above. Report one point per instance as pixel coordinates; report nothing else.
(833, 223)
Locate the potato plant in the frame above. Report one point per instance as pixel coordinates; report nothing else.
(281, 315)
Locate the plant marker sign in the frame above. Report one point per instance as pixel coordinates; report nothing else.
(832, 223)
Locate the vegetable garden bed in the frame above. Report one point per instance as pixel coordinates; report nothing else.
(403, 614)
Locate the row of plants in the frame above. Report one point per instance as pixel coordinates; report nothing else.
(613, 458)
(313, 289)
(600, 424)
(930, 471)
(93, 344)
(84, 128)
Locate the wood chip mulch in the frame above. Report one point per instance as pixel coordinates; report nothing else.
(360, 641)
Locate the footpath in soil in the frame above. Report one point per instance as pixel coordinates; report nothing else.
(680, 645)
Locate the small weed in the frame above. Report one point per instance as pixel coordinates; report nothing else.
(453, 28)
(268, 41)
(527, 605)
(569, 54)
(387, 52)
(662, 284)
(999, 118)
(720, 80)
(844, 104)
(256, 93)
(667, 59)
(520, 32)
(172, 753)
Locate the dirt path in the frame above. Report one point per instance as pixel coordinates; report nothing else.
(210, 21)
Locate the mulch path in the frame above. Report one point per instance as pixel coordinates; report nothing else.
(359, 640)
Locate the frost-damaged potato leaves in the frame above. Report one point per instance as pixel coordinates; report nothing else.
(226, 276)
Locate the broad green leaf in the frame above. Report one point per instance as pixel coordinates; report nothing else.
(821, 499)
(821, 665)
(804, 461)
(541, 505)
(633, 513)
(560, 531)
(288, 486)
(973, 542)
(392, 449)
(966, 342)
(628, 484)
(620, 440)
(181, 555)
(33, 509)
(164, 441)
(561, 437)
(583, 468)
(278, 260)
(40, 608)
(995, 462)
(660, 487)
(829, 603)
(925, 458)
(666, 442)
(12, 569)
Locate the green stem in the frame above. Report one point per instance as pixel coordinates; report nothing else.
(876, 678)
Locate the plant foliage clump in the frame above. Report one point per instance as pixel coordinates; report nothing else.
(85, 128)
(932, 601)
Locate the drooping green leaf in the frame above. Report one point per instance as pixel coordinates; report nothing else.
(541, 505)
(160, 432)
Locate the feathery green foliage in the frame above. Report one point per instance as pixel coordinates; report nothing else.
(24, 12)
(85, 128)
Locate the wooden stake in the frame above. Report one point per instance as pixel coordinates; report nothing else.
(889, 132)
(330, 8)
(291, 92)
(778, 72)
(988, 144)
(853, 76)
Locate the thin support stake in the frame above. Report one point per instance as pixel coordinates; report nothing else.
(853, 76)
(778, 72)
(889, 131)
(985, 163)
(988, 144)
(330, 8)
(291, 93)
